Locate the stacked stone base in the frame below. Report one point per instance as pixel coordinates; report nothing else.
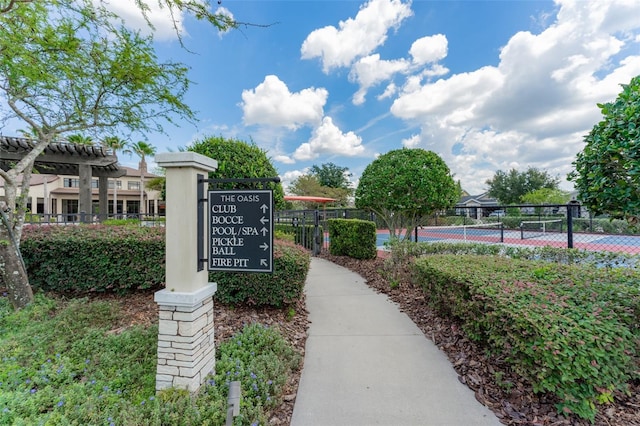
(186, 347)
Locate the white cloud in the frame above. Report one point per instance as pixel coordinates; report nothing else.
(289, 177)
(411, 142)
(370, 70)
(429, 49)
(436, 70)
(329, 139)
(355, 37)
(284, 159)
(457, 95)
(168, 24)
(272, 104)
(535, 106)
(390, 90)
(224, 12)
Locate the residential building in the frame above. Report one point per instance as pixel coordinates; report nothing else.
(58, 196)
(476, 206)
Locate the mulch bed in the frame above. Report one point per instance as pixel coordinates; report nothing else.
(511, 399)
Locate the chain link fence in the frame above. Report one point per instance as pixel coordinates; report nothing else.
(562, 226)
(566, 226)
(554, 225)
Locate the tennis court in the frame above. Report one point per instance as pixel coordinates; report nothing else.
(529, 235)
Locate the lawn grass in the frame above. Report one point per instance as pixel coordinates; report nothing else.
(61, 365)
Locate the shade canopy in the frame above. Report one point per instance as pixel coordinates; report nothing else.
(308, 198)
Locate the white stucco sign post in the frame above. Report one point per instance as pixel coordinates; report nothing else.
(186, 350)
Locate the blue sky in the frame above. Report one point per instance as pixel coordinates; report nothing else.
(487, 85)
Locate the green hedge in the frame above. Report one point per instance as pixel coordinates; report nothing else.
(98, 258)
(352, 237)
(283, 286)
(93, 257)
(569, 330)
(403, 251)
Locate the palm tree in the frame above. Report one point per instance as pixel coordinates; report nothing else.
(142, 149)
(115, 144)
(79, 139)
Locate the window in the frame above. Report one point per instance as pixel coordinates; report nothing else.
(120, 207)
(118, 184)
(133, 185)
(69, 210)
(75, 183)
(133, 207)
(69, 206)
(71, 183)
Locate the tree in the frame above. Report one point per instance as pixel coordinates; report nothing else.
(509, 188)
(142, 149)
(197, 8)
(158, 183)
(238, 160)
(69, 66)
(332, 176)
(546, 196)
(80, 139)
(405, 186)
(310, 185)
(607, 171)
(115, 144)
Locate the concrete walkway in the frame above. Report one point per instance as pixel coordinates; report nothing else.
(366, 363)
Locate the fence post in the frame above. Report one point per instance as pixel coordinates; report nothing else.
(570, 207)
(316, 232)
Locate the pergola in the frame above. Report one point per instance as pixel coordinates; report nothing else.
(67, 159)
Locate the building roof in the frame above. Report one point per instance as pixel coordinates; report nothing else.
(477, 200)
(131, 172)
(36, 179)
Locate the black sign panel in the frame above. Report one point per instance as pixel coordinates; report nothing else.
(241, 231)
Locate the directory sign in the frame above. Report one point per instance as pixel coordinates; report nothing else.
(241, 230)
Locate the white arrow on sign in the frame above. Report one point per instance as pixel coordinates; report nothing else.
(264, 208)
(264, 231)
(263, 220)
(264, 246)
(263, 262)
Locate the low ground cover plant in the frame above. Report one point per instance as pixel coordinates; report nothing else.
(62, 364)
(570, 330)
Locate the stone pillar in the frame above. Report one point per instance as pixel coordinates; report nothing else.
(186, 352)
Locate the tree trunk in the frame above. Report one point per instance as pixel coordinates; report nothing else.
(12, 269)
